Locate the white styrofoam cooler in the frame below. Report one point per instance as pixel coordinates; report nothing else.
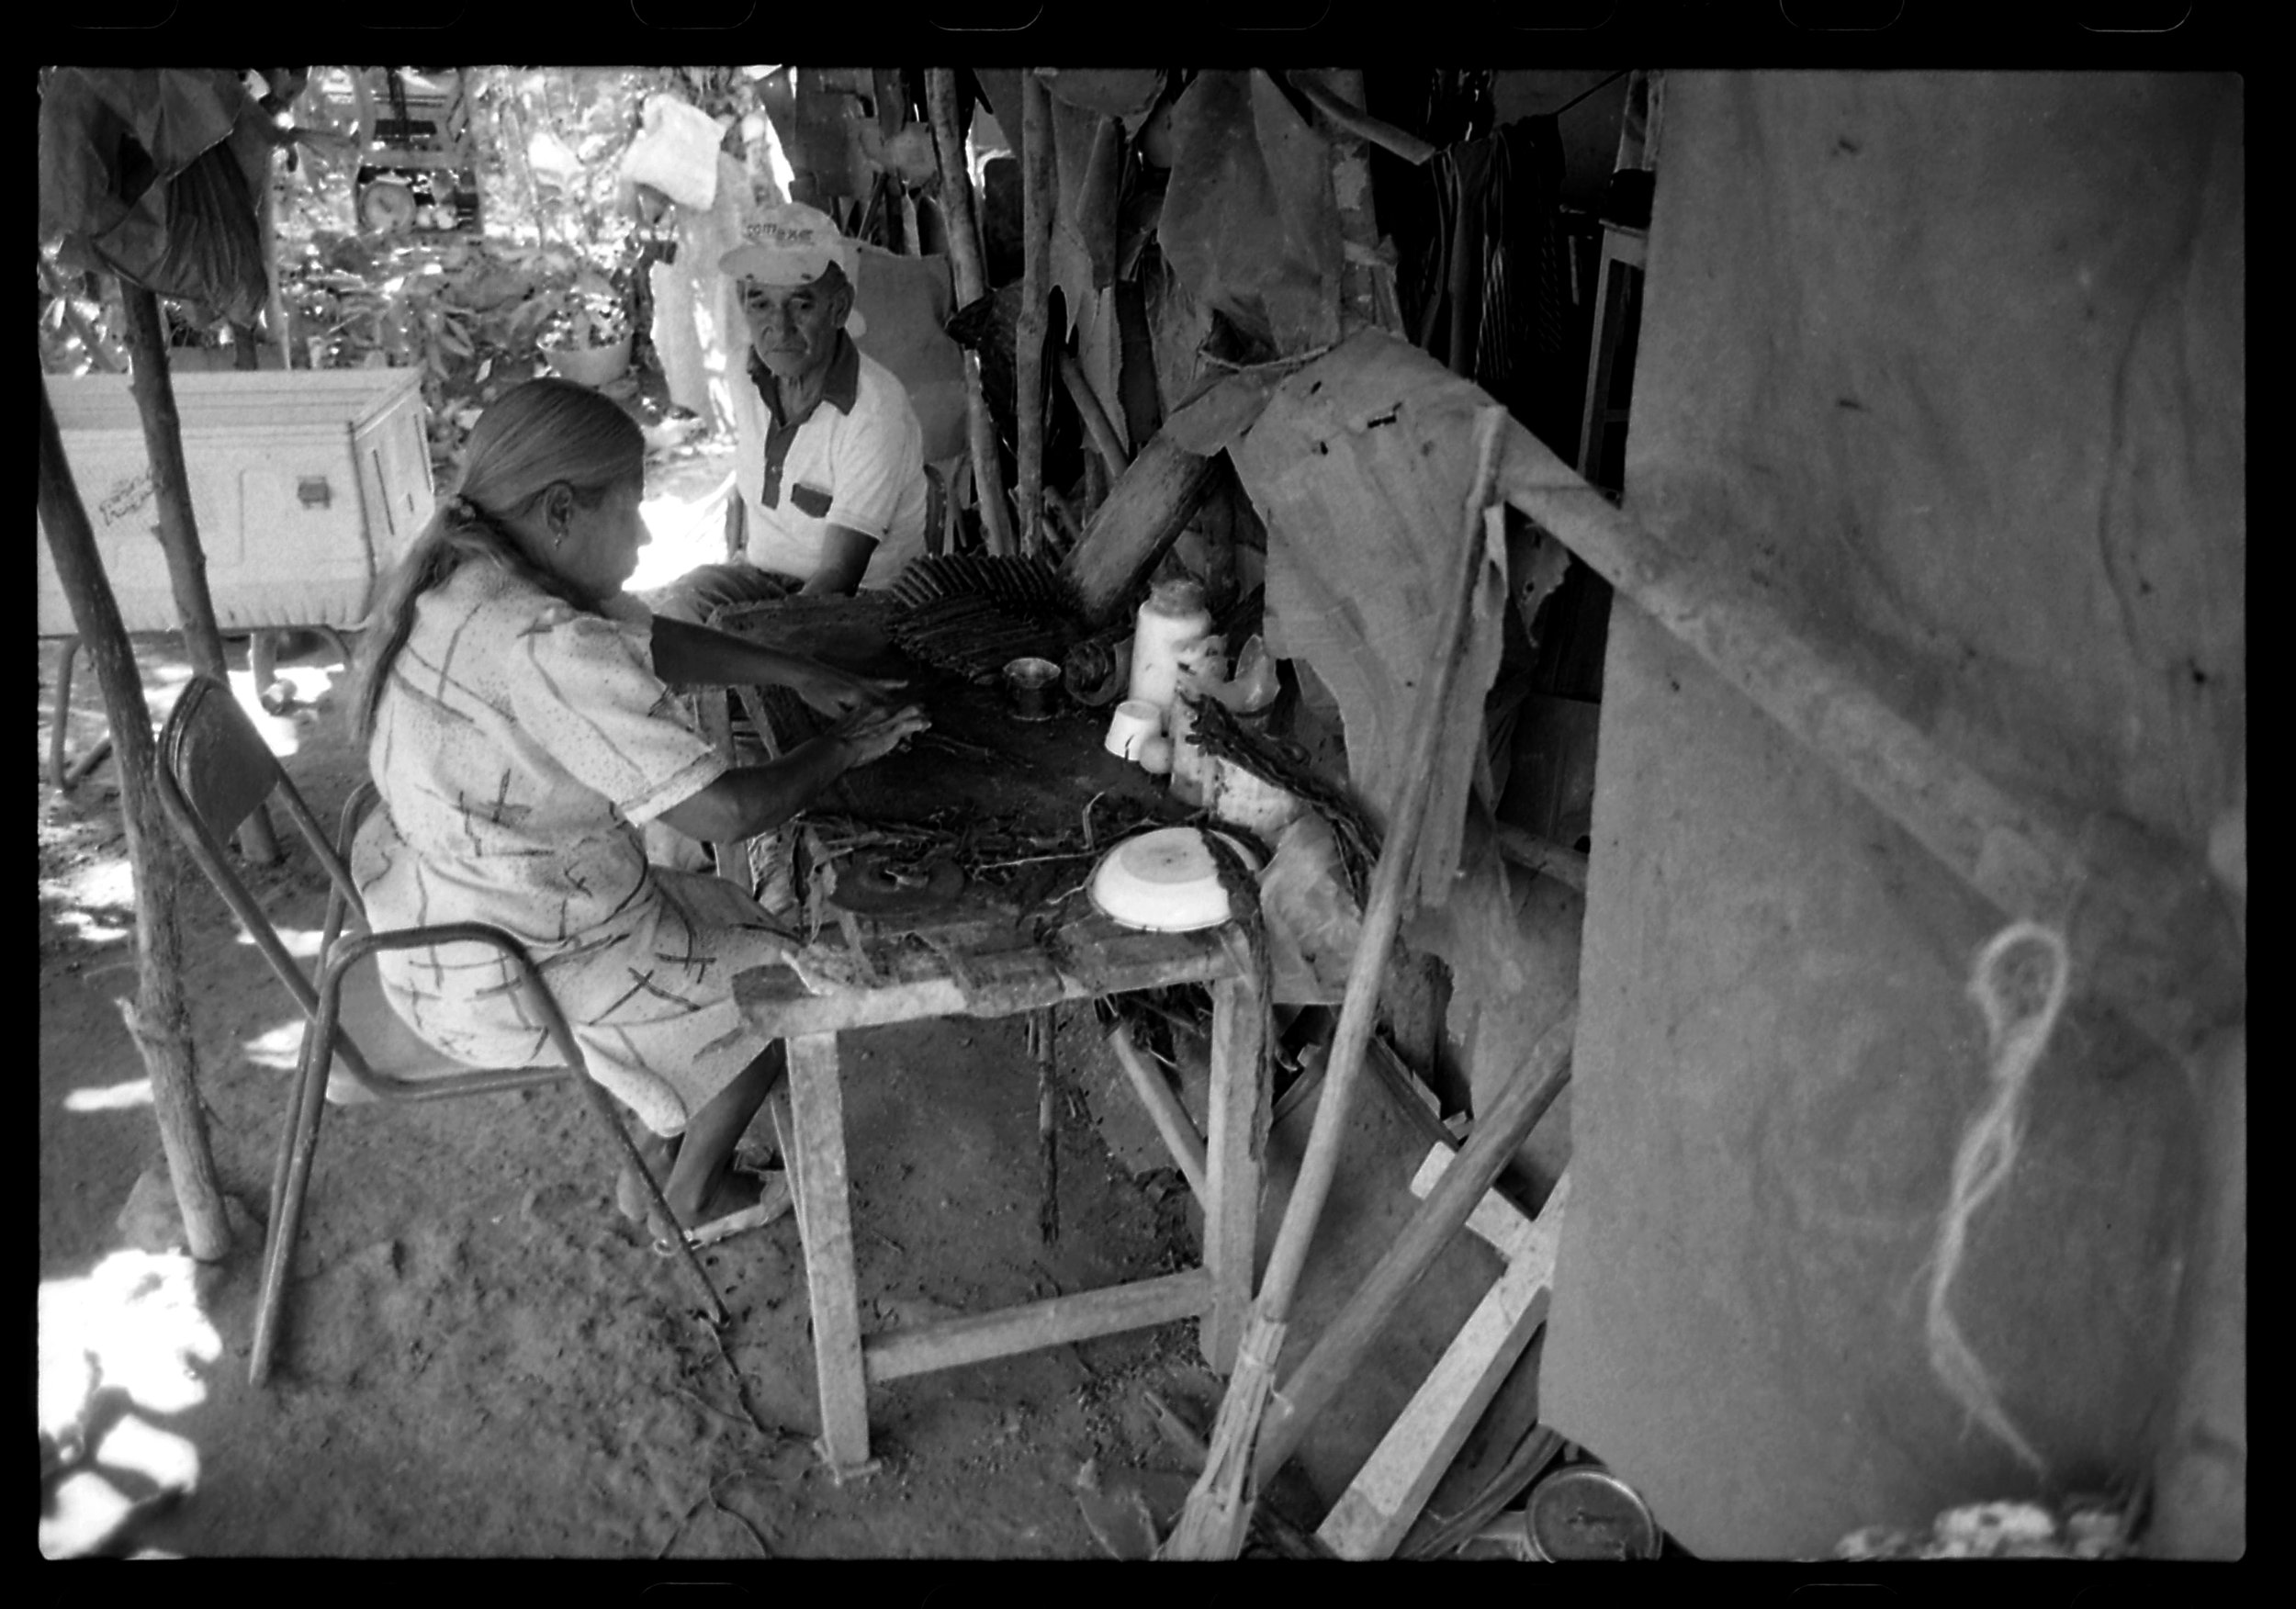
(307, 485)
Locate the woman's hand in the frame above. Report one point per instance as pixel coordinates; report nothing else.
(875, 731)
(840, 693)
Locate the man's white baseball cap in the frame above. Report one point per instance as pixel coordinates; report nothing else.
(791, 244)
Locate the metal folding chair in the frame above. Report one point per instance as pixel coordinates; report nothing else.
(213, 770)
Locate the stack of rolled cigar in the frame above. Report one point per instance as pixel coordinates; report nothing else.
(972, 614)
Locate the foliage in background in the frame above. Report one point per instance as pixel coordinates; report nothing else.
(558, 260)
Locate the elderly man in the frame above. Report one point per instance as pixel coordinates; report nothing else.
(830, 457)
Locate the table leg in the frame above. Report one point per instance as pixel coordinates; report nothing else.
(825, 1224)
(1233, 1146)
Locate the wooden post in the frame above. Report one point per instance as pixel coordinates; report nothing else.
(1148, 506)
(1350, 190)
(159, 1020)
(179, 528)
(1036, 191)
(274, 302)
(972, 284)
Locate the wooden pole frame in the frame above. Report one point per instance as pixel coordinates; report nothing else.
(967, 264)
(1036, 160)
(155, 392)
(160, 1020)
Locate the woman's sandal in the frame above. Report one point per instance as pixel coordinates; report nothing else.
(772, 1201)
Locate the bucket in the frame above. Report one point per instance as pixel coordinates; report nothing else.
(591, 366)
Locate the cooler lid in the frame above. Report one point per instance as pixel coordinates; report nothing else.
(296, 400)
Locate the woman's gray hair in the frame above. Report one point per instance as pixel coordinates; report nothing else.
(543, 434)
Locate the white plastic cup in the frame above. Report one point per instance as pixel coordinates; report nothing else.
(1135, 721)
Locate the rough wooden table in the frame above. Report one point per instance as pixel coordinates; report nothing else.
(982, 955)
(977, 971)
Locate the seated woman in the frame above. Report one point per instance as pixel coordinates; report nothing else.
(519, 724)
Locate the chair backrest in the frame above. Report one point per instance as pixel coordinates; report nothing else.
(215, 757)
(213, 769)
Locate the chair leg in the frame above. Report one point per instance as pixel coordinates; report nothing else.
(292, 1182)
(288, 1129)
(619, 1142)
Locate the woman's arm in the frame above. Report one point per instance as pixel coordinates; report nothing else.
(752, 799)
(689, 656)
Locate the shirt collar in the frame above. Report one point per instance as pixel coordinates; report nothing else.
(840, 390)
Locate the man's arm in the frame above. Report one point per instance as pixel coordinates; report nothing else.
(844, 560)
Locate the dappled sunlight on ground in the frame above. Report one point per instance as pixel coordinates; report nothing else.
(96, 901)
(299, 942)
(118, 1346)
(110, 1098)
(280, 1047)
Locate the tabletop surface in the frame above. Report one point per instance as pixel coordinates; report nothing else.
(980, 758)
(986, 949)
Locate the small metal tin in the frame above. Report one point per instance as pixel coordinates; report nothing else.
(1031, 687)
(1585, 1511)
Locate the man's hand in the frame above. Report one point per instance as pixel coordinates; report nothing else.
(839, 693)
(875, 732)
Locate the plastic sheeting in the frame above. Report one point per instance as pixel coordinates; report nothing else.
(1953, 364)
(153, 175)
(1249, 224)
(1361, 467)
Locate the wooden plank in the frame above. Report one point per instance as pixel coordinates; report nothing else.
(1234, 1150)
(1164, 1111)
(826, 1224)
(1499, 1220)
(775, 1004)
(1537, 854)
(1310, 1388)
(1377, 1510)
(924, 1348)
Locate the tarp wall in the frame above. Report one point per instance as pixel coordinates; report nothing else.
(1955, 363)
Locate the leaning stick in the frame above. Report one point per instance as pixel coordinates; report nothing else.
(1309, 1389)
(1212, 1524)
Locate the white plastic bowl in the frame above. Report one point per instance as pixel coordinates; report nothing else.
(1163, 882)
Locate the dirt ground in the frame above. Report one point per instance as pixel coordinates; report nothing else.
(481, 1356)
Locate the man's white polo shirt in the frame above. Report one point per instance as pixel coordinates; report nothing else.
(857, 460)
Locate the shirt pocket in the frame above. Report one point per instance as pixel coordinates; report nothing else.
(810, 500)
